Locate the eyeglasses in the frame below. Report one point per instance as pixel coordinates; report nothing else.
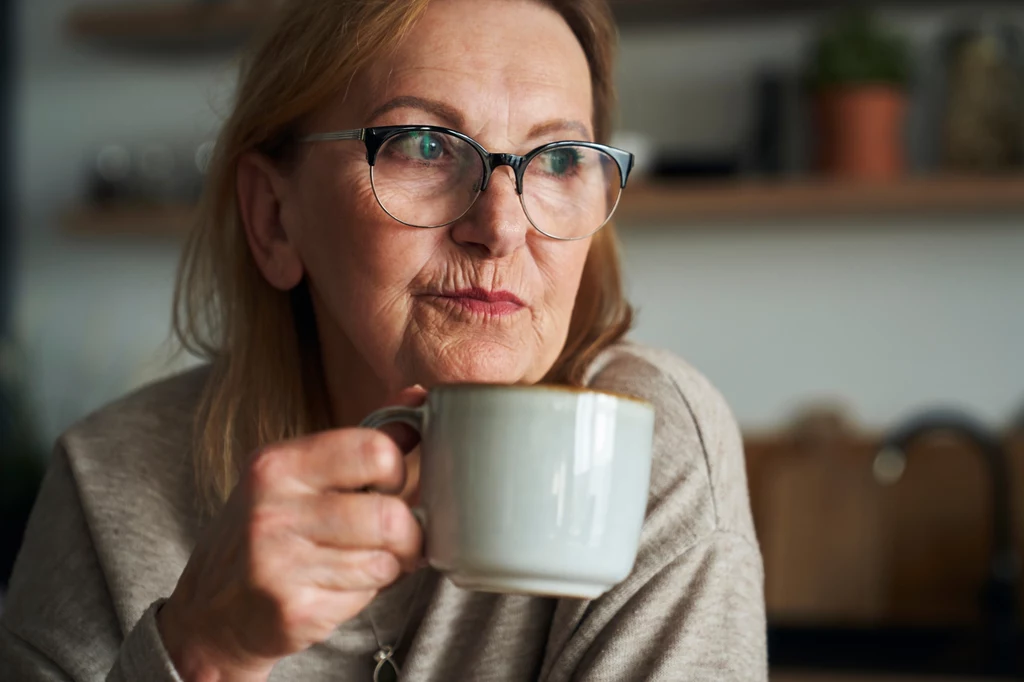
(428, 176)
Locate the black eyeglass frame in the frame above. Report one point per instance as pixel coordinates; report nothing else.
(375, 138)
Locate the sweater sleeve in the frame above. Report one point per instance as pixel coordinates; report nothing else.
(59, 622)
(701, 618)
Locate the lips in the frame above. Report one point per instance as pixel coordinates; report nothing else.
(484, 302)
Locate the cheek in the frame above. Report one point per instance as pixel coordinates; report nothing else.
(358, 259)
(341, 224)
(561, 266)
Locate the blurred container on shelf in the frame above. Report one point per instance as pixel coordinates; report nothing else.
(153, 173)
(769, 136)
(685, 164)
(859, 76)
(983, 127)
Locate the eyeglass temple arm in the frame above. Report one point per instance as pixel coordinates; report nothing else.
(355, 134)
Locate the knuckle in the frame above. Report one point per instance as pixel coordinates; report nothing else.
(381, 456)
(297, 612)
(268, 468)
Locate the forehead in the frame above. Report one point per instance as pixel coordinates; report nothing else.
(502, 64)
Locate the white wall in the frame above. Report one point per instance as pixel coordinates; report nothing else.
(884, 316)
(888, 316)
(93, 313)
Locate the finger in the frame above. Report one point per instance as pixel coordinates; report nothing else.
(366, 521)
(351, 570)
(343, 459)
(404, 435)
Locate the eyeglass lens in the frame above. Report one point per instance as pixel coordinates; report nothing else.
(431, 179)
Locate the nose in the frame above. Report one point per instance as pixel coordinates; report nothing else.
(496, 226)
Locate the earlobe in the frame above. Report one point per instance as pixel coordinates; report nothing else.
(260, 189)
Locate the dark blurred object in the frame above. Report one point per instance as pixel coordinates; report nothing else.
(999, 597)
(22, 461)
(859, 75)
(1017, 425)
(110, 175)
(683, 165)
(768, 153)
(7, 44)
(983, 128)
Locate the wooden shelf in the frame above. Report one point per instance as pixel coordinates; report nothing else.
(680, 204)
(190, 24)
(178, 25)
(655, 13)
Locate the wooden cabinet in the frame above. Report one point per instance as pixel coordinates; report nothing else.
(841, 548)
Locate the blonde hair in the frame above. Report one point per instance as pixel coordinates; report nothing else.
(266, 382)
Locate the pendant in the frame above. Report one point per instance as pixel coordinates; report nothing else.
(386, 670)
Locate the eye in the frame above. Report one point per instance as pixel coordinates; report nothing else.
(421, 146)
(561, 162)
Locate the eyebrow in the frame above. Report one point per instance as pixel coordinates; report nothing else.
(448, 114)
(558, 126)
(454, 119)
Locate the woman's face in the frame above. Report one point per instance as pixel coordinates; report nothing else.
(511, 75)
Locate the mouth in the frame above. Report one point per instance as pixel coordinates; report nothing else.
(482, 302)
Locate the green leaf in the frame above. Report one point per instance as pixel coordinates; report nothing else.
(856, 50)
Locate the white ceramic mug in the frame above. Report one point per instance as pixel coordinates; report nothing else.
(531, 489)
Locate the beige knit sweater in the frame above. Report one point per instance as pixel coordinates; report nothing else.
(116, 521)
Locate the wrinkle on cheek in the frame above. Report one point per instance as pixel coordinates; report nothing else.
(394, 307)
(561, 279)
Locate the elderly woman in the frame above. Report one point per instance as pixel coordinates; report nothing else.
(360, 241)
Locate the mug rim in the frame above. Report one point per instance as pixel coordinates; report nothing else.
(576, 390)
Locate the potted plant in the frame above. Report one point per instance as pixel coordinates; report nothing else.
(859, 76)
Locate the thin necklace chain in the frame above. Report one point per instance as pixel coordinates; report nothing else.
(383, 658)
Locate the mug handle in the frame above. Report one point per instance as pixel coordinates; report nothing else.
(410, 416)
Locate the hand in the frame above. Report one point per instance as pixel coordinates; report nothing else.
(297, 550)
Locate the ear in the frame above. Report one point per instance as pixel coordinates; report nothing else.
(261, 194)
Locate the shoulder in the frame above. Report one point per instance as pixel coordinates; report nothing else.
(168, 402)
(137, 452)
(681, 394)
(698, 477)
(119, 500)
(160, 414)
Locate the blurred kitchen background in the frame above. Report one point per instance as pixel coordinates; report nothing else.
(828, 220)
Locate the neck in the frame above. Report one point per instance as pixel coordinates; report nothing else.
(353, 389)
(354, 392)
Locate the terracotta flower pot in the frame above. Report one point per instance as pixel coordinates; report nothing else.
(861, 132)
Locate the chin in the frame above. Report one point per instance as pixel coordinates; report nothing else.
(480, 363)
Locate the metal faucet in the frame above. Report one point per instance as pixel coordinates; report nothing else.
(1000, 594)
